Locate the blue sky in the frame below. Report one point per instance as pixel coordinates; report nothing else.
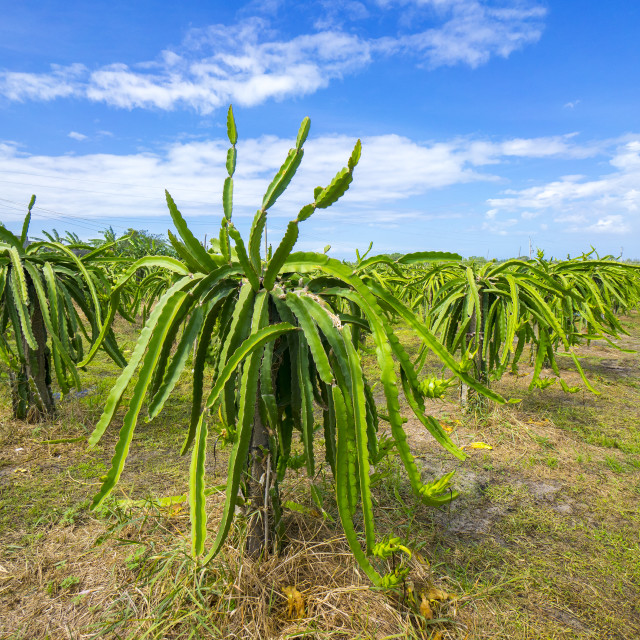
(486, 124)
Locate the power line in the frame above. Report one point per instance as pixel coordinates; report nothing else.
(42, 213)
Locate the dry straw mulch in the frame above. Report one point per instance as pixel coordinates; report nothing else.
(140, 582)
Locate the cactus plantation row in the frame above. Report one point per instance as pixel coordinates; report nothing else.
(275, 339)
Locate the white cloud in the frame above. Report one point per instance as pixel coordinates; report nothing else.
(609, 224)
(61, 82)
(471, 32)
(606, 204)
(233, 65)
(101, 186)
(335, 14)
(393, 171)
(218, 65)
(627, 159)
(544, 147)
(77, 136)
(500, 227)
(575, 219)
(483, 152)
(248, 64)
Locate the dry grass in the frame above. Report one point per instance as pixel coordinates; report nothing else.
(139, 581)
(542, 543)
(51, 589)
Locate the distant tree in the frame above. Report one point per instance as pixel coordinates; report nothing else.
(135, 243)
(478, 260)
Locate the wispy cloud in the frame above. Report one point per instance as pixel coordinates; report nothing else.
(607, 204)
(221, 64)
(609, 224)
(394, 174)
(481, 152)
(74, 135)
(101, 186)
(248, 63)
(470, 31)
(501, 227)
(60, 82)
(127, 189)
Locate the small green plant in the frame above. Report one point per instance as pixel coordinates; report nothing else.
(552, 462)
(89, 469)
(603, 440)
(543, 441)
(614, 465)
(69, 582)
(73, 514)
(136, 558)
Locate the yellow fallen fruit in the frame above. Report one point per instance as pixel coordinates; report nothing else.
(476, 445)
(425, 608)
(295, 602)
(437, 594)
